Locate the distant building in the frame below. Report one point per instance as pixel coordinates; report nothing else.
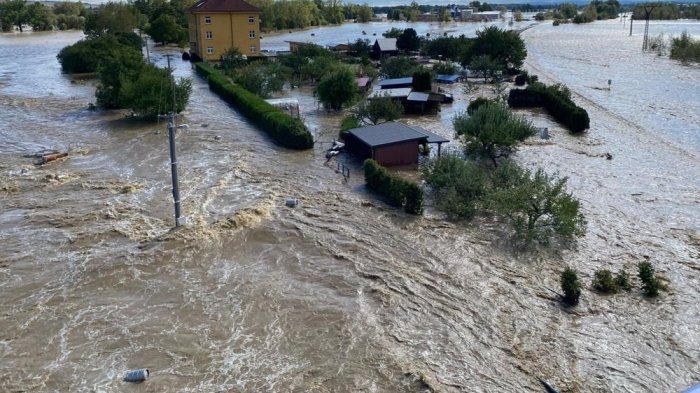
(384, 47)
(216, 26)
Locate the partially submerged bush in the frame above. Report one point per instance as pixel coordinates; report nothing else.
(556, 99)
(571, 286)
(650, 284)
(605, 282)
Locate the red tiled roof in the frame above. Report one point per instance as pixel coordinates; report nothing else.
(223, 6)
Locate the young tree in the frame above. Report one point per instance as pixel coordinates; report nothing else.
(571, 286)
(650, 284)
(492, 131)
(338, 88)
(379, 110)
(459, 185)
(537, 204)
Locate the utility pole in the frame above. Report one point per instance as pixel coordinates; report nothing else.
(173, 160)
(631, 20)
(647, 14)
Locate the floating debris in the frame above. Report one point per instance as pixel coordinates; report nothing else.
(291, 202)
(139, 375)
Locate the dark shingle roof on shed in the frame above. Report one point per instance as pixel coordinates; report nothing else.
(223, 6)
(387, 134)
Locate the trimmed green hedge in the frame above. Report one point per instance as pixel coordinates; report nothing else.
(398, 190)
(555, 101)
(285, 130)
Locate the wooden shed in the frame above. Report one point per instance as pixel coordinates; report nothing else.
(390, 143)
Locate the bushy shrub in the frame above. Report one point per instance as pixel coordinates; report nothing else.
(604, 281)
(399, 191)
(622, 280)
(571, 286)
(650, 284)
(556, 99)
(285, 130)
(89, 54)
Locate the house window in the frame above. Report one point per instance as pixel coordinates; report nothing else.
(251, 34)
(251, 19)
(252, 49)
(210, 35)
(207, 20)
(210, 49)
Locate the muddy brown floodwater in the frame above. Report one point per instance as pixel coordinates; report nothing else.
(342, 293)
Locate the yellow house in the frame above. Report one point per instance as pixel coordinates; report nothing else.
(215, 26)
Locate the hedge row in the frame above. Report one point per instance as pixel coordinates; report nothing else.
(399, 191)
(556, 102)
(285, 130)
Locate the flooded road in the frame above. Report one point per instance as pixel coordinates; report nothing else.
(342, 293)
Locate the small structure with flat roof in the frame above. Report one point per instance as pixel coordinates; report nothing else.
(391, 143)
(396, 83)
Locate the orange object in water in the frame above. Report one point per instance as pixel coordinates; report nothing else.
(52, 157)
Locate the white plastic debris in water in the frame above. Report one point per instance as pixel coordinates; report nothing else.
(291, 202)
(139, 375)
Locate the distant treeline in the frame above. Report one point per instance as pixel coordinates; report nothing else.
(166, 21)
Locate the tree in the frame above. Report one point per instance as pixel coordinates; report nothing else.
(13, 13)
(379, 110)
(393, 33)
(166, 30)
(650, 284)
(364, 13)
(408, 40)
(361, 48)
(112, 18)
(518, 16)
(568, 10)
(459, 185)
(484, 66)
(399, 66)
(69, 15)
(492, 131)
(338, 88)
(422, 80)
(150, 94)
(505, 47)
(262, 78)
(88, 54)
(536, 203)
(571, 286)
(40, 17)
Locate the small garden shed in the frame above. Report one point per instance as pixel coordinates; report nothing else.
(391, 143)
